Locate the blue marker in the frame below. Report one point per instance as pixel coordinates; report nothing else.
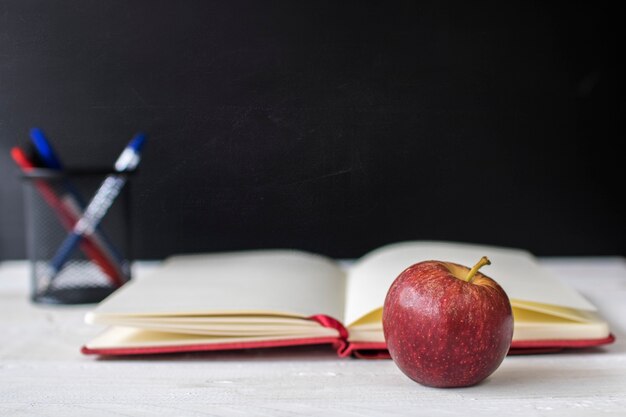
(49, 157)
(98, 206)
(44, 149)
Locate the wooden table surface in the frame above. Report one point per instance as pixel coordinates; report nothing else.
(42, 371)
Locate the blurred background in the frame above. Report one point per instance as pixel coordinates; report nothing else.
(334, 127)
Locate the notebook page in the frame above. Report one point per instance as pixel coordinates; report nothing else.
(261, 282)
(515, 270)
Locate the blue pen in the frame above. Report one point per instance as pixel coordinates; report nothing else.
(98, 206)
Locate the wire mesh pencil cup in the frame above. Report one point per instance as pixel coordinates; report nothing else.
(100, 262)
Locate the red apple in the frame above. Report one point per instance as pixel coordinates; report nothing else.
(447, 325)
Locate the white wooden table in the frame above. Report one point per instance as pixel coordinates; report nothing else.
(42, 371)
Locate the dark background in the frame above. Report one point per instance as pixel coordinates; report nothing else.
(334, 126)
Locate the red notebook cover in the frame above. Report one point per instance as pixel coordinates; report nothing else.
(362, 350)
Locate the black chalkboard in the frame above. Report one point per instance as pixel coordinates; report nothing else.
(329, 126)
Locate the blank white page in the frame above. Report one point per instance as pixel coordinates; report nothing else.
(255, 282)
(517, 271)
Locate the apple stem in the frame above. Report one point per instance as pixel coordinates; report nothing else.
(472, 273)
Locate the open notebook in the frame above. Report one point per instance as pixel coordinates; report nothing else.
(283, 297)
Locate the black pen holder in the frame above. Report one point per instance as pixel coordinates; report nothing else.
(98, 262)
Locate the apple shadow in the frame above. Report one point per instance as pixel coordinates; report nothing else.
(510, 379)
(520, 373)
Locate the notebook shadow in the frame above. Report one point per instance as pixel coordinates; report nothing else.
(274, 354)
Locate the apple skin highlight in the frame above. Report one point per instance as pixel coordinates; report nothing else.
(443, 331)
